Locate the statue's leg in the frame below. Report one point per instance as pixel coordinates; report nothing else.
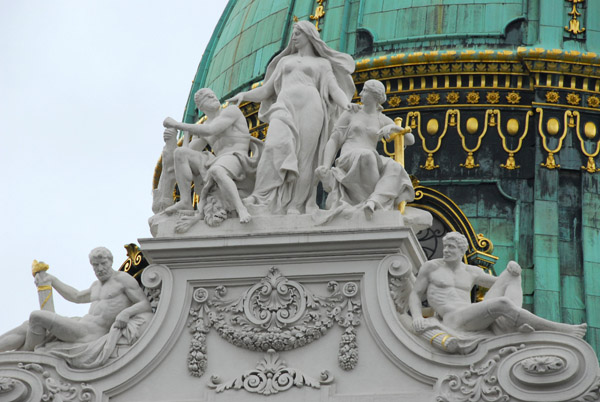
(482, 315)
(14, 339)
(188, 165)
(227, 185)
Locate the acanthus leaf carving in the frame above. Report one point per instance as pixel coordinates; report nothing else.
(271, 376)
(543, 364)
(276, 313)
(6, 384)
(479, 383)
(55, 389)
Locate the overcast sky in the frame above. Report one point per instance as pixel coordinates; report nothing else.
(84, 88)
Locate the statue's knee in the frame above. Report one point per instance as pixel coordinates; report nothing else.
(179, 155)
(217, 173)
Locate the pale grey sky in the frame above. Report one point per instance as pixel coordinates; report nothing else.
(84, 88)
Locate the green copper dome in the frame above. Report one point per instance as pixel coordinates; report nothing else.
(250, 32)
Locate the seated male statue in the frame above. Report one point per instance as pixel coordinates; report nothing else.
(446, 284)
(226, 132)
(115, 299)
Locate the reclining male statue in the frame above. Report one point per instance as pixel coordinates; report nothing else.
(446, 284)
(118, 308)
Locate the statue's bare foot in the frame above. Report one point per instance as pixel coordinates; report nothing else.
(525, 329)
(245, 217)
(250, 200)
(179, 207)
(577, 330)
(184, 223)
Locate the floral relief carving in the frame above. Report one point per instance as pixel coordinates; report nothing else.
(573, 98)
(394, 101)
(479, 383)
(452, 97)
(543, 364)
(433, 98)
(472, 97)
(59, 390)
(413, 99)
(552, 96)
(593, 101)
(276, 313)
(513, 98)
(492, 97)
(271, 376)
(6, 384)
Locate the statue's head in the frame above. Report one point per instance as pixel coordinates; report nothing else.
(455, 246)
(101, 259)
(205, 99)
(304, 33)
(375, 88)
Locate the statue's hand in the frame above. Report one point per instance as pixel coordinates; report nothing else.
(321, 172)
(169, 122)
(237, 99)
(420, 324)
(352, 107)
(513, 268)
(43, 278)
(121, 320)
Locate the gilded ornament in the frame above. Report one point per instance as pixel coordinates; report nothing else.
(492, 97)
(374, 74)
(593, 101)
(573, 98)
(397, 71)
(433, 98)
(413, 99)
(394, 101)
(473, 97)
(386, 72)
(480, 67)
(444, 68)
(432, 127)
(552, 126)
(456, 68)
(472, 125)
(452, 97)
(574, 24)
(590, 130)
(410, 70)
(469, 67)
(517, 68)
(363, 76)
(493, 67)
(433, 68)
(513, 97)
(512, 127)
(552, 96)
(421, 69)
(319, 13)
(505, 67)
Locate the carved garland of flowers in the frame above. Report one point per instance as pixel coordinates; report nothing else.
(277, 314)
(573, 99)
(452, 97)
(473, 97)
(513, 98)
(552, 97)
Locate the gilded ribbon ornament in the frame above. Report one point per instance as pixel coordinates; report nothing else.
(470, 161)
(550, 161)
(510, 162)
(591, 164)
(415, 119)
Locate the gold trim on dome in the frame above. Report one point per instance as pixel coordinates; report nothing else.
(550, 161)
(510, 162)
(415, 123)
(319, 13)
(472, 129)
(590, 134)
(574, 26)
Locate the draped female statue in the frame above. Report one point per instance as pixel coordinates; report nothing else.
(305, 89)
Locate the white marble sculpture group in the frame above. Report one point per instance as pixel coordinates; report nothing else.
(315, 135)
(305, 90)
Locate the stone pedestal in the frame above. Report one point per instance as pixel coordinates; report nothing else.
(301, 313)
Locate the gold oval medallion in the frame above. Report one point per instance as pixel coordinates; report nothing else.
(590, 130)
(512, 126)
(432, 127)
(472, 125)
(552, 125)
